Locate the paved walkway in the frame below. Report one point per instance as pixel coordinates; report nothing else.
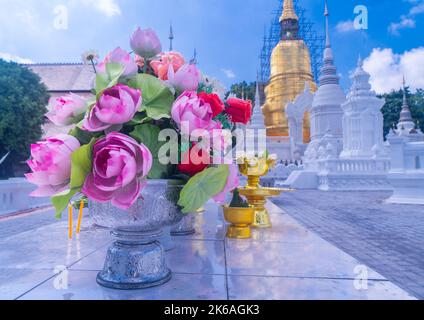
(285, 262)
(388, 238)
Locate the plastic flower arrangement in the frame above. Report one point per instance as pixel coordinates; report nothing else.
(117, 142)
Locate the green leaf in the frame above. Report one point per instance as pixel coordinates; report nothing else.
(84, 137)
(202, 187)
(149, 135)
(109, 79)
(61, 201)
(81, 164)
(157, 98)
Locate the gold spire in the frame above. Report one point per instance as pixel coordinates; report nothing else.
(288, 11)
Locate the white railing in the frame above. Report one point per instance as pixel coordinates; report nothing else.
(354, 166)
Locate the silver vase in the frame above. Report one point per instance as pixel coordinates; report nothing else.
(185, 227)
(136, 259)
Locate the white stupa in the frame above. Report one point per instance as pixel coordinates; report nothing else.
(364, 163)
(326, 112)
(326, 122)
(363, 136)
(258, 119)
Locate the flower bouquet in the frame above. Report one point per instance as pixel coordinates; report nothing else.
(152, 118)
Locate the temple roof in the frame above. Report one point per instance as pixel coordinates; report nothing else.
(65, 77)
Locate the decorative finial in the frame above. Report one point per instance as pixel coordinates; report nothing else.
(194, 60)
(405, 101)
(288, 11)
(327, 26)
(360, 61)
(171, 36)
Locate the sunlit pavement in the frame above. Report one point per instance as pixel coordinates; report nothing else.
(285, 262)
(389, 238)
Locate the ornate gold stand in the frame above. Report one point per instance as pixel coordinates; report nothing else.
(257, 198)
(255, 194)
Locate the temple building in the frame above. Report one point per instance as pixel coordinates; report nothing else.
(61, 79)
(407, 159)
(290, 70)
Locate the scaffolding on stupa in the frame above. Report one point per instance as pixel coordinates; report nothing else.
(314, 42)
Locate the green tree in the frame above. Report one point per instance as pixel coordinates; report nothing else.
(392, 108)
(22, 107)
(243, 90)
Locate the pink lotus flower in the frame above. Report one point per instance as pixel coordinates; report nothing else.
(164, 61)
(232, 183)
(120, 164)
(145, 43)
(66, 110)
(123, 58)
(186, 78)
(116, 106)
(191, 113)
(51, 164)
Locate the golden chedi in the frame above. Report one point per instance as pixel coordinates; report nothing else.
(290, 69)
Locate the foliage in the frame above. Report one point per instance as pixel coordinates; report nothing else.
(22, 105)
(157, 98)
(149, 135)
(392, 108)
(243, 90)
(202, 187)
(81, 166)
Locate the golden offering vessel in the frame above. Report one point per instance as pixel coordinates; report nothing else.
(240, 219)
(256, 195)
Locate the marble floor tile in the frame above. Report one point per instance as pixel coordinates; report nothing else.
(49, 247)
(82, 286)
(188, 256)
(16, 282)
(263, 288)
(210, 225)
(285, 229)
(307, 259)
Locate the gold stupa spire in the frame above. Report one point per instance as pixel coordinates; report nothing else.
(288, 11)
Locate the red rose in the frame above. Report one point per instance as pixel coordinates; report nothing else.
(213, 99)
(188, 161)
(239, 110)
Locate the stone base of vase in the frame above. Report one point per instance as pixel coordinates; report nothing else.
(136, 260)
(185, 227)
(166, 239)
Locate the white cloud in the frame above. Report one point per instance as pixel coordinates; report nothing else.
(229, 73)
(387, 69)
(408, 21)
(418, 8)
(109, 8)
(345, 26)
(404, 23)
(11, 57)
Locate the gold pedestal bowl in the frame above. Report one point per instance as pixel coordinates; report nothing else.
(255, 194)
(240, 220)
(258, 198)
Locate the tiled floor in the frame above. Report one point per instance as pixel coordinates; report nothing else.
(387, 237)
(286, 262)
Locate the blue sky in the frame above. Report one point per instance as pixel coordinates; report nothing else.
(226, 33)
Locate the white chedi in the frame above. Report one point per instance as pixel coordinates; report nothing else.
(362, 119)
(326, 111)
(258, 119)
